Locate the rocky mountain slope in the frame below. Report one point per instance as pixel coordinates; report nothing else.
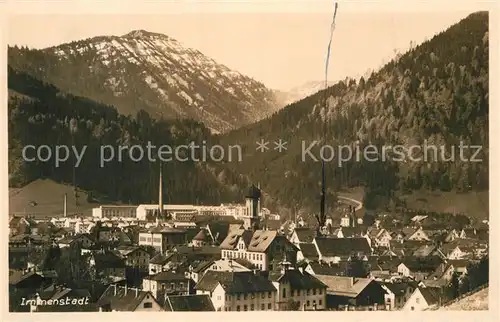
(153, 72)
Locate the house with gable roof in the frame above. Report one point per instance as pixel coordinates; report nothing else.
(262, 248)
(238, 291)
(117, 298)
(344, 292)
(423, 298)
(342, 249)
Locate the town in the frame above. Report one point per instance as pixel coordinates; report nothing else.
(240, 257)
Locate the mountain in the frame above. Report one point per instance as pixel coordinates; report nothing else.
(434, 94)
(300, 92)
(153, 72)
(41, 114)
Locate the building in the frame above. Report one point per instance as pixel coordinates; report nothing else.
(379, 237)
(107, 264)
(264, 249)
(167, 283)
(252, 204)
(135, 257)
(189, 303)
(336, 249)
(115, 211)
(349, 293)
(163, 238)
(297, 289)
(238, 291)
(398, 293)
(118, 298)
(83, 241)
(423, 298)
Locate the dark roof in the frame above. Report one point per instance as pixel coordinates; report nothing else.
(330, 247)
(202, 265)
(309, 251)
(298, 280)
(235, 282)
(167, 276)
(329, 269)
(430, 295)
(205, 250)
(202, 235)
(218, 230)
(418, 264)
(126, 299)
(108, 259)
(159, 259)
(305, 235)
(189, 303)
(400, 288)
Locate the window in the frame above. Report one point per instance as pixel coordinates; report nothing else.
(181, 285)
(314, 291)
(293, 293)
(298, 292)
(252, 295)
(172, 285)
(284, 293)
(238, 296)
(269, 294)
(148, 305)
(308, 292)
(269, 306)
(245, 296)
(262, 307)
(413, 308)
(252, 307)
(320, 291)
(308, 303)
(245, 308)
(263, 295)
(237, 307)
(218, 298)
(320, 302)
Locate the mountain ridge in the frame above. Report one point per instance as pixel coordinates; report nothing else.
(150, 71)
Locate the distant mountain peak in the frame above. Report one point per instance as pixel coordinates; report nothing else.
(156, 73)
(141, 33)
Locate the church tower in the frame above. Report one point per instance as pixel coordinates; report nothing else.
(252, 203)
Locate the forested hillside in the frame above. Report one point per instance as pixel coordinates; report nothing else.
(437, 93)
(41, 114)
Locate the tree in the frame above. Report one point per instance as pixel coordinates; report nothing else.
(292, 305)
(453, 288)
(356, 268)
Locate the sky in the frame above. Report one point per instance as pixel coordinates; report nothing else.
(280, 49)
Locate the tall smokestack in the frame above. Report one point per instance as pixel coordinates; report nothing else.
(65, 204)
(160, 192)
(258, 203)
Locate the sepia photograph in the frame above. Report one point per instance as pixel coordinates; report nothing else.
(330, 160)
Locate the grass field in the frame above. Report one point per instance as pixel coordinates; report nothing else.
(45, 197)
(472, 204)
